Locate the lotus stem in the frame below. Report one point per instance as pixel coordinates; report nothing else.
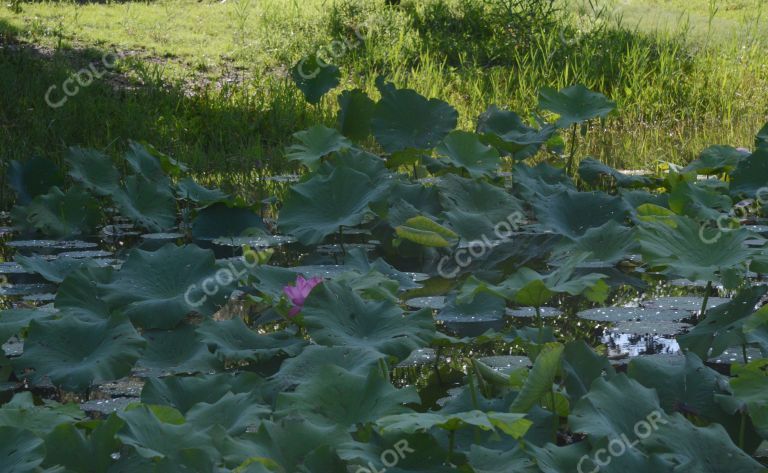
(707, 290)
(569, 164)
(555, 419)
(744, 353)
(742, 429)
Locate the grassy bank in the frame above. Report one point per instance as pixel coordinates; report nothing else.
(208, 82)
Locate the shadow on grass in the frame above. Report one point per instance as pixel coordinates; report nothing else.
(223, 129)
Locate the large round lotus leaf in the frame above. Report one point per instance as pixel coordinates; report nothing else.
(149, 204)
(178, 446)
(187, 188)
(692, 304)
(505, 130)
(68, 446)
(59, 214)
(177, 351)
(702, 449)
(94, 170)
(13, 321)
(75, 354)
(687, 250)
(143, 161)
(683, 382)
(55, 270)
(236, 413)
(541, 181)
(220, 220)
(315, 78)
(158, 289)
(185, 392)
(232, 340)
(403, 119)
(716, 160)
(575, 104)
(20, 450)
(39, 419)
(367, 397)
(318, 207)
(33, 177)
(573, 213)
(335, 315)
(724, 326)
(606, 244)
(315, 143)
(593, 171)
(751, 174)
(464, 150)
(297, 370)
(355, 113)
(478, 210)
(620, 314)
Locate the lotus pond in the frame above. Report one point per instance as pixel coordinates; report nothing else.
(417, 299)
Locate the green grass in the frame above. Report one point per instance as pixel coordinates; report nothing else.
(207, 82)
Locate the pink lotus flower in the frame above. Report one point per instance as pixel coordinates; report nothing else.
(298, 294)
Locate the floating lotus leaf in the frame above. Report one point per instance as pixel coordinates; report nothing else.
(55, 270)
(220, 220)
